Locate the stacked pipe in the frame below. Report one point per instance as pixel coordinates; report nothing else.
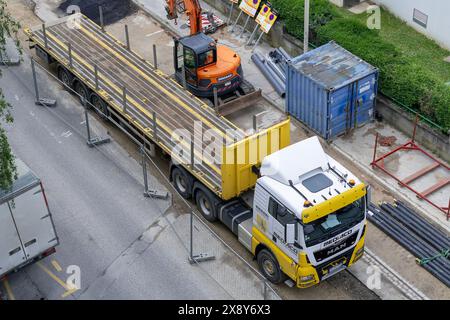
(274, 67)
(421, 238)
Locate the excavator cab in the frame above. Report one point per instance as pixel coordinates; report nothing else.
(197, 56)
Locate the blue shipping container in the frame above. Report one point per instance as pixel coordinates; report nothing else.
(331, 90)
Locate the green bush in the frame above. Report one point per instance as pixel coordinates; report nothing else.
(292, 12)
(400, 77)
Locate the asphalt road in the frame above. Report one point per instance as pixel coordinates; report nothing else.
(107, 228)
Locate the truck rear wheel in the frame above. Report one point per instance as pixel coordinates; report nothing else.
(182, 182)
(269, 266)
(206, 204)
(100, 106)
(64, 77)
(82, 90)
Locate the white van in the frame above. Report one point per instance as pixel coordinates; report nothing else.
(27, 232)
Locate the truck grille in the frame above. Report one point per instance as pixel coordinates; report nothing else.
(330, 251)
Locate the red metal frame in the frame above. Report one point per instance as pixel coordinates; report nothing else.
(411, 145)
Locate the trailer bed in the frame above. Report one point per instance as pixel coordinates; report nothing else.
(138, 91)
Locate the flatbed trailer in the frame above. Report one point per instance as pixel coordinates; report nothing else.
(156, 106)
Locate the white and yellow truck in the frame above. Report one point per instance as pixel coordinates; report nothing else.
(305, 217)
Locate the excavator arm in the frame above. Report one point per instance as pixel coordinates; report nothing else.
(193, 10)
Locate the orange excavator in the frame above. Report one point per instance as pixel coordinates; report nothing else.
(202, 64)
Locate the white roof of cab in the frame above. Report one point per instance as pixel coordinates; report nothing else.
(289, 163)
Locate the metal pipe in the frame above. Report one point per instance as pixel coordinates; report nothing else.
(269, 75)
(418, 228)
(385, 227)
(276, 70)
(245, 26)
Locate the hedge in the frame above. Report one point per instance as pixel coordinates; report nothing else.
(408, 82)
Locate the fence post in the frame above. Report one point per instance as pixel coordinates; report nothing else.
(216, 100)
(100, 12)
(69, 50)
(155, 127)
(39, 101)
(124, 98)
(36, 88)
(91, 142)
(44, 32)
(96, 77)
(155, 57)
(127, 37)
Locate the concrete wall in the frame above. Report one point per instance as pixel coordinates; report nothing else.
(403, 121)
(438, 12)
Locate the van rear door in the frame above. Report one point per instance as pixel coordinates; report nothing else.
(34, 222)
(11, 250)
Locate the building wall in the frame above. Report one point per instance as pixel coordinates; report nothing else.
(438, 12)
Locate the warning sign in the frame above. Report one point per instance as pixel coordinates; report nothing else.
(265, 10)
(250, 6)
(269, 21)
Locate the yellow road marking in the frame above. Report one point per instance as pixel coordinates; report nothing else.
(69, 290)
(134, 102)
(56, 265)
(8, 290)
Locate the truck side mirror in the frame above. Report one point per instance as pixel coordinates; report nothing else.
(289, 234)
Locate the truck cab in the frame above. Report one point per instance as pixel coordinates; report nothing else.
(313, 209)
(307, 219)
(206, 65)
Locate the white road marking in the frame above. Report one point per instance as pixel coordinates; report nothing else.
(153, 33)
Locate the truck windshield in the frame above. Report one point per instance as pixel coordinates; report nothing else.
(337, 222)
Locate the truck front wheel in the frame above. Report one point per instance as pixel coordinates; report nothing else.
(269, 266)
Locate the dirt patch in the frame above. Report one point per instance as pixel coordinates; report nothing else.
(113, 10)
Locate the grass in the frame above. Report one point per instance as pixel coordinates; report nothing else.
(417, 47)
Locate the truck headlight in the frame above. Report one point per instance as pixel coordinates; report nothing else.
(307, 278)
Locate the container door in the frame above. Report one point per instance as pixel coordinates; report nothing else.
(34, 222)
(364, 101)
(11, 250)
(340, 110)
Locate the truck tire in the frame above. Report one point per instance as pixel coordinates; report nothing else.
(269, 266)
(206, 203)
(100, 106)
(82, 90)
(65, 77)
(182, 182)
